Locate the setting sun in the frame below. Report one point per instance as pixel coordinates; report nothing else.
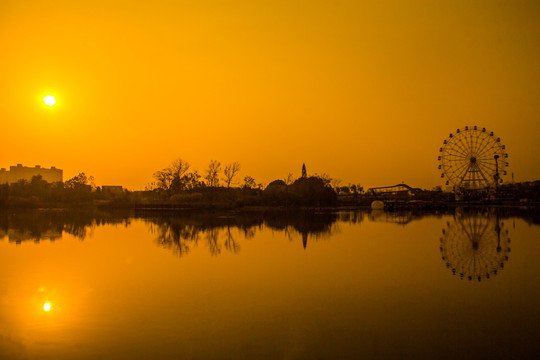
(49, 100)
(47, 306)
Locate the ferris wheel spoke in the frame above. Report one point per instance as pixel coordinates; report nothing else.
(457, 148)
(459, 169)
(460, 146)
(470, 142)
(486, 163)
(464, 146)
(458, 152)
(480, 144)
(486, 160)
(453, 151)
(473, 140)
(485, 143)
(456, 165)
(490, 144)
(486, 150)
(456, 157)
(484, 229)
(488, 156)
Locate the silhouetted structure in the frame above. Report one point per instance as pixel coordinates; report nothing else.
(472, 159)
(112, 189)
(19, 172)
(305, 191)
(394, 190)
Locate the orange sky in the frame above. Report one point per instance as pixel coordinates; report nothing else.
(364, 91)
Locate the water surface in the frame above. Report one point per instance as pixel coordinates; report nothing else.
(270, 285)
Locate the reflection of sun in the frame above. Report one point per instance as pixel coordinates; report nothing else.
(47, 306)
(49, 100)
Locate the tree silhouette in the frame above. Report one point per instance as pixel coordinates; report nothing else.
(79, 180)
(230, 171)
(174, 177)
(249, 182)
(304, 171)
(212, 173)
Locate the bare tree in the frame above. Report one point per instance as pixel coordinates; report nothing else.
(164, 178)
(230, 171)
(212, 173)
(249, 182)
(172, 177)
(179, 167)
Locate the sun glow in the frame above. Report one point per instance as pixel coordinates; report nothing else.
(47, 306)
(49, 100)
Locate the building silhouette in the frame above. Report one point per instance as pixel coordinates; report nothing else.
(112, 189)
(19, 172)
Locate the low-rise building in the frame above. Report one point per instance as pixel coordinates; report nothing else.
(112, 189)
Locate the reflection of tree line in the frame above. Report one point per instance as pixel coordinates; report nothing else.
(180, 232)
(49, 225)
(223, 232)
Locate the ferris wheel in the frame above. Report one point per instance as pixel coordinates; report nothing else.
(473, 158)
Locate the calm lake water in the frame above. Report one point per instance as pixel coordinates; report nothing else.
(345, 285)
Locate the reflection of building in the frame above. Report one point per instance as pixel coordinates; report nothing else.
(18, 236)
(19, 172)
(475, 246)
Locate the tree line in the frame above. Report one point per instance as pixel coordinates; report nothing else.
(178, 184)
(179, 176)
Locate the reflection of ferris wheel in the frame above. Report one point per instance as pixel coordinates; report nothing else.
(473, 158)
(475, 246)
